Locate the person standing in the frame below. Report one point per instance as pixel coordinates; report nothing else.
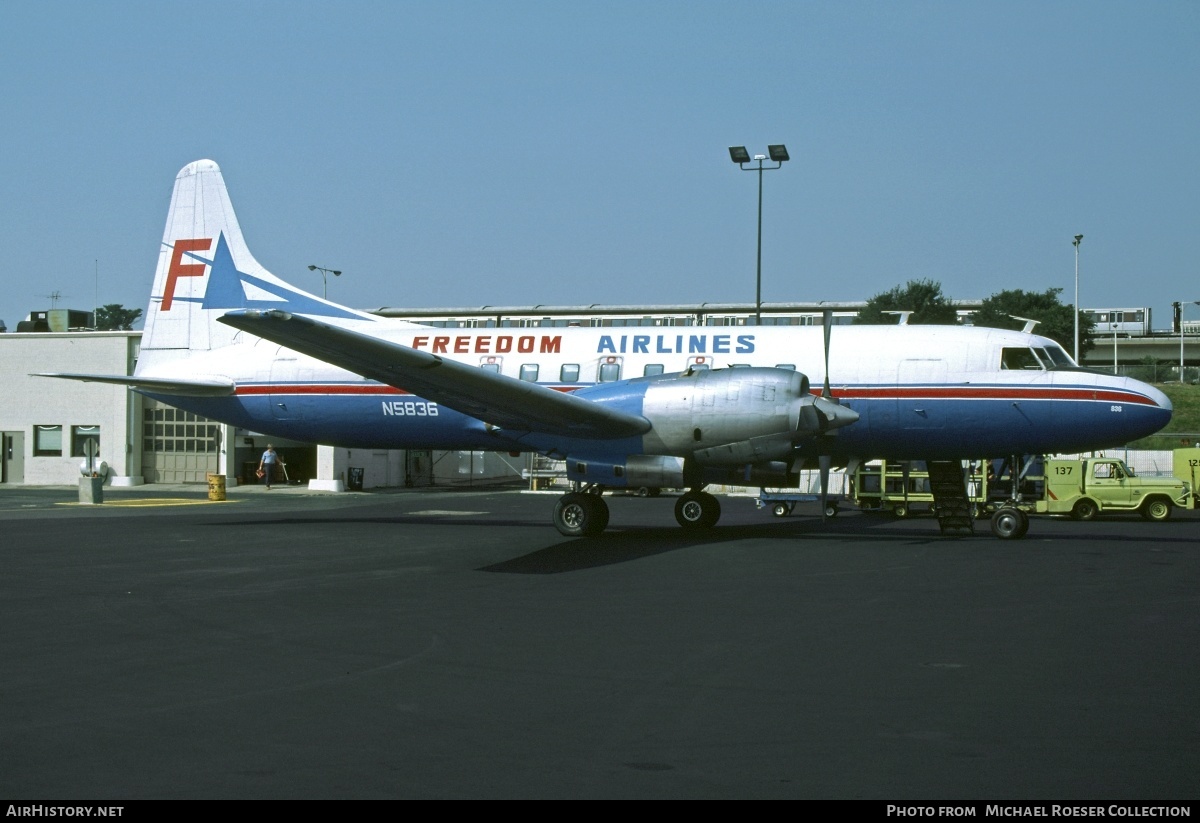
(266, 464)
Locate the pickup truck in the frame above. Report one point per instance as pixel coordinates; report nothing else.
(1086, 487)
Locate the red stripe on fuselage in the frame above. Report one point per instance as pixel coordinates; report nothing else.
(864, 393)
(992, 393)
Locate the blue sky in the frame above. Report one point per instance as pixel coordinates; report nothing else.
(517, 153)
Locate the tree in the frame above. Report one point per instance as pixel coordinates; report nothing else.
(1055, 320)
(115, 317)
(923, 298)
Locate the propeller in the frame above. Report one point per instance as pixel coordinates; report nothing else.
(830, 404)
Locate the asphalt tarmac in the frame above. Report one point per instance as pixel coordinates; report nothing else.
(451, 644)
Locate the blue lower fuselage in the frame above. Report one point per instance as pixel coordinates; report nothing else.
(928, 421)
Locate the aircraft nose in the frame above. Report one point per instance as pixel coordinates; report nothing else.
(1159, 406)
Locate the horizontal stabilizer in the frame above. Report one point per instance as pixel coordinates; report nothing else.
(504, 402)
(192, 387)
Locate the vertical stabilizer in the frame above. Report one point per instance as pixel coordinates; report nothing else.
(205, 270)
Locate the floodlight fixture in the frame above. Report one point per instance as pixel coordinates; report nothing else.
(324, 279)
(739, 155)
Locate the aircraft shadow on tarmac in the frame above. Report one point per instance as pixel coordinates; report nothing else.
(622, 544)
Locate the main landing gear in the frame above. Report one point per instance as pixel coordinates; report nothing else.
(581, 514)
(585, 514)
(697, 510)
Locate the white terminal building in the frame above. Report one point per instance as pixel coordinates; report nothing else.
(45, 424)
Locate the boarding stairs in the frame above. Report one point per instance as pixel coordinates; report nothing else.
(949, 488)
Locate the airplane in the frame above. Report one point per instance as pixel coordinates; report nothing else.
(624, 407)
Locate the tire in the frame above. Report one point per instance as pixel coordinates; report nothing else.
(580, 515)
(900, 510)
(831, 509)
(1085, 509)
(780, 510)
(643, 491)
(1156, 509)
(697, 510)
(1010, 524)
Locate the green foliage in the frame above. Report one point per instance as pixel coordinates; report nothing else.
(115, 317)
(1055, 320)
(923, 298)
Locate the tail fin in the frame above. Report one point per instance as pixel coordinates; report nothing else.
(205, 270)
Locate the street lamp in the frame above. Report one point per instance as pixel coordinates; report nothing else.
(1078, 238)
(324, 281)
(739, 155)
(1179, 319)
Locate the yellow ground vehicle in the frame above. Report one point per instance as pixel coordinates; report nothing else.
(1087, 487)
(903, 487)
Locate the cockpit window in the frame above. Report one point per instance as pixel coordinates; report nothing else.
(1013, 358)
(1060, 358)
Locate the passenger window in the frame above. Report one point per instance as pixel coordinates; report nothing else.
(569, 373)
(494, 368)
(610, 372)
(653, 369)
(529, 372)
(786, 366)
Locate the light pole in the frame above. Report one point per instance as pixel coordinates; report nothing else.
(324, 282)
(1179, 319)
(739, 155)
(1078, 238)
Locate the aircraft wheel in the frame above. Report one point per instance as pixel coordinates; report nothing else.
(1085, 510)
(1010, 524)
(580, 515)
(697, 510)
(780, 510)
(1157, 509)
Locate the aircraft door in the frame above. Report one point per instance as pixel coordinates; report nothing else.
(916, 409)
(12, 469)
(288, 389)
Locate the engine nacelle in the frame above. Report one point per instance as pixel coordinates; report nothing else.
(656, 471)
(735, 417)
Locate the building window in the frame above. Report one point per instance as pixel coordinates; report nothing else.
(80, 435)
(47, 441)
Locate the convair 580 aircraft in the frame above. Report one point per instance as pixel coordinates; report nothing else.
(668, 407)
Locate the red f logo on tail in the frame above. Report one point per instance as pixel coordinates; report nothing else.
(179, 269)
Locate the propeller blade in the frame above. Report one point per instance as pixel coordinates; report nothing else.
(827, 322)
(825, 462)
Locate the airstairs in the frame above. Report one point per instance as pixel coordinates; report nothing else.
(948, 485)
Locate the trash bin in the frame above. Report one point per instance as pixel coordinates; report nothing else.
(354, 481)
(216, 486)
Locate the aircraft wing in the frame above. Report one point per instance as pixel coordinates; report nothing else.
(214, 386)
(504, 402)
